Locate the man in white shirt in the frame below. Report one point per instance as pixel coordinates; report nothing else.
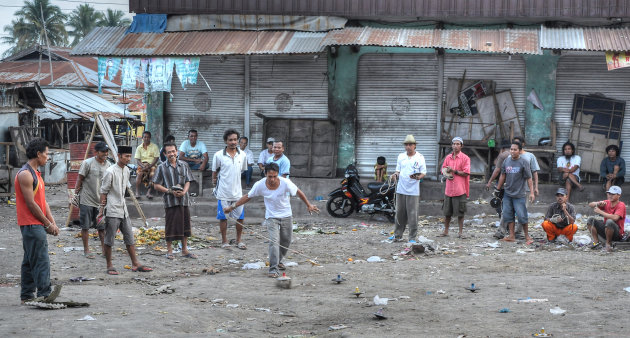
(231, 162)
(410, 169)
(250, 160)
(569, 167)
(265, 154)
(278, 215)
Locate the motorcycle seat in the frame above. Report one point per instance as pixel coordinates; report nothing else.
(376, 186)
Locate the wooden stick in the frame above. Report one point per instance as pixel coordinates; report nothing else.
(87, 151)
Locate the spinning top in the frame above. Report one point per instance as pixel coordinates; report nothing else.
(542, 333)
(284, 281)
(356, 292)
(472, 288)
(338, 280)
(379, 314)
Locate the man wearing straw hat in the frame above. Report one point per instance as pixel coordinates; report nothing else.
(456, 169)
(410, 169)
(278, 215)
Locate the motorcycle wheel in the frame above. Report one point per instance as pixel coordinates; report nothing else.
(340, 206)
(391, 216)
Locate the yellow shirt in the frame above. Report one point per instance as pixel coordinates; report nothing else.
(147, 155)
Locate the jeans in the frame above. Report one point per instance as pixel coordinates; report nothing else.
(280, 231)
(35, 264)
(248, 175)
(513, 205)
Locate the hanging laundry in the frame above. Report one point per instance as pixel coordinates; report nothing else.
(113, 65)
(130, 73)
(160, 72)
(102, 68)
(187, 70)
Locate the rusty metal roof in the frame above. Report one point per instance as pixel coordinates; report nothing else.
(114, 42)
(587, 38)
(522, 41)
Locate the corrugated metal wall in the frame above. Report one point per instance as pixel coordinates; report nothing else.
(286, 86)
(587, 74)
(397, 95)
(210, 112)
(506, 72)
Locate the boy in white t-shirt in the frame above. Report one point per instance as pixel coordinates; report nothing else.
(569, 167)
(278, 215)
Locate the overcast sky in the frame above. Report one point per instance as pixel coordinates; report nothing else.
(9, 7)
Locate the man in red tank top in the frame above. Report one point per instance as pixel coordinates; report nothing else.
(35, 221)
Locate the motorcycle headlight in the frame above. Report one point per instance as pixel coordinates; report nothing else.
(347, 175)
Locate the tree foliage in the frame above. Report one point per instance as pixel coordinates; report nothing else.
(82, 20)
(114, 18)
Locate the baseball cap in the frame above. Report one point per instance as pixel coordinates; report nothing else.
(101, 146)
(271, 140)
(561, 191)
(614, 190)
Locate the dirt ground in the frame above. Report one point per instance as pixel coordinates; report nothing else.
(426, 292)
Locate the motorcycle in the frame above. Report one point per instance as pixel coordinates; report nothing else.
(497, 200)
(352, 197)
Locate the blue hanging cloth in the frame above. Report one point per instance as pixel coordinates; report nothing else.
(113, 65)
(148, 23)
(102, 68)
(187, 70)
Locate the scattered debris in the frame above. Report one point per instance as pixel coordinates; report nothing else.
(81, 279)
(86, 318)
(253, 266)
(380, 301)
(338, 279)
(530, 300)
(166, 288)
(557, 311)
(375, 259)
(211, 270)
(337, 327)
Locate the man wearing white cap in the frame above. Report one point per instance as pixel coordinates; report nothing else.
(614, 213)
(456, 169)
(265, 154)
(410, 169)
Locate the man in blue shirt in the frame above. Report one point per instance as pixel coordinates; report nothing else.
(613, 167)
(280, 159)
(194, 152)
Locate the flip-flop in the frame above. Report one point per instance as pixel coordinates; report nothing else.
(242, 246)
(150, 197)
(89, 255)
(141, 268)
(190, 255)
(169, 256)
(442, 235)
(112, 271)
(281, 266)
(225, 245)
(530, 242)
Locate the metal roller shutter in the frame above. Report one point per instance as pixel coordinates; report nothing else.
(209, 112)
(587, 74)
(507, 72)
(286, 86)
(397, 95)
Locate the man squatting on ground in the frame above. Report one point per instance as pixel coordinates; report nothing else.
(560, 218)
(278, 214)
(410, 169)
(515, 173)
(173, 178)
(113, 187)
(457, 168)
(35, 221)
(614, 213)
(87, 196)
(227, 166)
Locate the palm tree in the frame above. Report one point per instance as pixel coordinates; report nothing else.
(82, 20)
(114, 18)
(20, 36)
(31, 14)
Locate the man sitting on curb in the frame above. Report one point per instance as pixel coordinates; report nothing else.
(560, 218)
(614, 213)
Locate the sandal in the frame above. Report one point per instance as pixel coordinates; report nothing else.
(141, 268)
(241, 246)
(169, 256)
(225, 245)
(273, 275)
(595, 245)
(89, 255)
(281, 266)
(112, 271)
(190, 255)
(442, 235)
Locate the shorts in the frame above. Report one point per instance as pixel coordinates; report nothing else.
(601, 227)
(233, 214)
(563, 181)
(87, 218)
(112, 225)
(454, 206)
(513, 205)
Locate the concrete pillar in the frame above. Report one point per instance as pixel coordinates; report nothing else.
(155, 117)
(342, 100)
(541, 77)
